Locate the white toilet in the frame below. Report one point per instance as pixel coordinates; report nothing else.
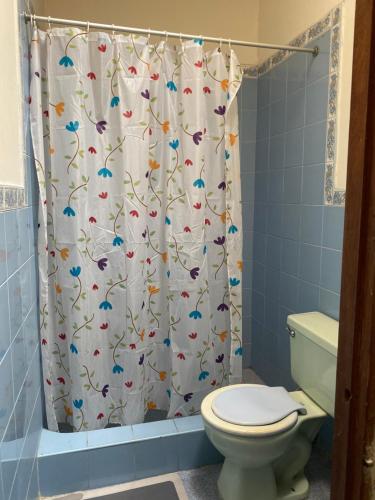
(266, 461)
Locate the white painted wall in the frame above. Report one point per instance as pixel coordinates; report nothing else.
(237, 19)
(11, 141)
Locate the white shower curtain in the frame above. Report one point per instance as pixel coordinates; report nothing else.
(140, 234)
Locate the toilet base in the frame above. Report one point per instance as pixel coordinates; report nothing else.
(245, 484)
(257, 484)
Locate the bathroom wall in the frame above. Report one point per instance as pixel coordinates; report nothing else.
(20, 372)
(296, 238)
(247, 114)
(237, 21)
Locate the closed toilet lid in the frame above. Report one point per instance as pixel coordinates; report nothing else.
(254, 405)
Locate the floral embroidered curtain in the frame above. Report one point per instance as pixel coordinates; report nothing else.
(140, 239)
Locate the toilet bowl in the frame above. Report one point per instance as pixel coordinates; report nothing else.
(266, 462)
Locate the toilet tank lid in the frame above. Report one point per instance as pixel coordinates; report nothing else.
(317, 327)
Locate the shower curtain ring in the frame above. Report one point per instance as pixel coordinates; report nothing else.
(88, 27)
(229, 44)
(166, 36)
(49, 23)
(220, 45)
(148, 36)
(181, 43)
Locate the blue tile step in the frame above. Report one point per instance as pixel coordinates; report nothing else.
(93, 459)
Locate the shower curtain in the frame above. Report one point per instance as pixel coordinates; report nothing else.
(140, 237)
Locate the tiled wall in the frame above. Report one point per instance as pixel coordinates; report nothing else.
(247, 111)
(292, 241)
(20, 379)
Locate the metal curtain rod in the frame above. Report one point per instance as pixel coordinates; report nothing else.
(112, 27)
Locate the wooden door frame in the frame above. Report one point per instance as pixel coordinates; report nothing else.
(353, 450)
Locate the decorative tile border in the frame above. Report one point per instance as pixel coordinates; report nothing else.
(11, 197)
(332, 21)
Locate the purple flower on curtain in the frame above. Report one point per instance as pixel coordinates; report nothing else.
(220, 240)
(145, 94)
(100, 126)
(194, 273)
(105, 391)
(220, 358)
(220, 110)
(188, 396)
(197, 137)
(222, 185)
(141, 360)
(102, 263)
(222, 307)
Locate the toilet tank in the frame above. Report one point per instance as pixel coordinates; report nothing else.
(313, 356)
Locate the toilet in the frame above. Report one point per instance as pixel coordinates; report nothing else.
(265, 433)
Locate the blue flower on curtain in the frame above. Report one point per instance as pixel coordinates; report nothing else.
(72, 126)
(66, 61)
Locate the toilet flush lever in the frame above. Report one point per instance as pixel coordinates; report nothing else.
(291, 332)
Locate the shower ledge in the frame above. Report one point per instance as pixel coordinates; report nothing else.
(92, 459)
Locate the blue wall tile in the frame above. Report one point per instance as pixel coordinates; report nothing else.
(295, 109)
(318, 67)
(290, 256)
(296, 72)
(292, 185)
(314, 143)
(333, 227)
(20, 400)
(313, 185)
(299, 240)
(331, 270)
(276, 151)
(277, 117)
(263, 91)
(311, 224)
(278, 82)
(329, 303)
(309, 263)
(316, 101)
(294, 148)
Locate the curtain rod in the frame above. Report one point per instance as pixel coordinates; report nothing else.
(112, 27)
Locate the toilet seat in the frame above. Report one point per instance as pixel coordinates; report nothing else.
(253, 431)
(254, 406)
